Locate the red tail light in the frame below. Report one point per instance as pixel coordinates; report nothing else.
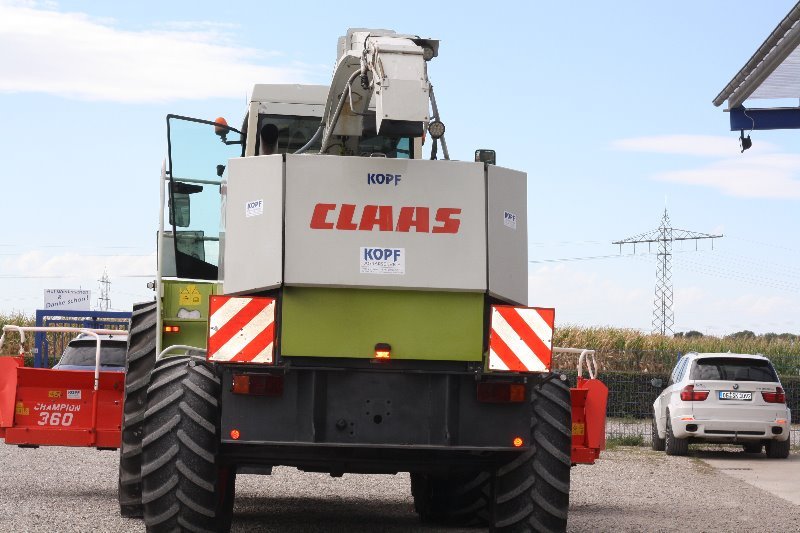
(775, 397)
(257, 384)
(501, 392)
(688, 394)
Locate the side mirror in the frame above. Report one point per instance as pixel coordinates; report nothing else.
(657, 382)
(486, 156)
(179, 210)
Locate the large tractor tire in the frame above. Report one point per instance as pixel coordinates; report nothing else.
(457, 500)
(184, 487)
(531, 493)
(139, 361)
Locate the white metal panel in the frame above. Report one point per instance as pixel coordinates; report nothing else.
(253, 244)
(508, 234)
(333, 255)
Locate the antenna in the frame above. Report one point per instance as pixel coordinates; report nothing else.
(663, 317)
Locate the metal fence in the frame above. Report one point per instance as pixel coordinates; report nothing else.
(49, 346)
(632, 392)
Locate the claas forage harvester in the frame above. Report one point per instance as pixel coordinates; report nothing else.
(328, 300)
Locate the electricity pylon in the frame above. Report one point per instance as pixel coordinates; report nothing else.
(104, 302)
(663, 317)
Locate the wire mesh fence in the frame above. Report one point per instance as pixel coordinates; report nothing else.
(636, 378)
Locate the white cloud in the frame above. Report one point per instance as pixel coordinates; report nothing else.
(696, 145)
(762, 172)
(73, 55)
(753, 176)
(72, 265)
(585, 298)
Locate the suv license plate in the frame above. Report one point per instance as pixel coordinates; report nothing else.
(733, 395)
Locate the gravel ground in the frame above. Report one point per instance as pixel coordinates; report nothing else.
(630, 489)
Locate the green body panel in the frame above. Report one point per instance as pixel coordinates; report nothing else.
(191, 297)
(325, 322)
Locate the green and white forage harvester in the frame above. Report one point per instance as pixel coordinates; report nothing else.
(328, 300)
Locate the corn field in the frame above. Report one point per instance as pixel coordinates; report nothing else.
(628, 350)
(11, 344)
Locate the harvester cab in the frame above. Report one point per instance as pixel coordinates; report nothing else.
(328, 300)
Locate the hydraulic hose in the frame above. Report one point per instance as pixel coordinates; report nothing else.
(312, 140)
(329, 131)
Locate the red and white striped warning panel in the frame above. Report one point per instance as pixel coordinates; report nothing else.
(521, 339)
(241, 329)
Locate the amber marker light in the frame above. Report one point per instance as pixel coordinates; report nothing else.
(383, 351)
(517, 442)
(221, 126)
(172, 329)
(235, 434)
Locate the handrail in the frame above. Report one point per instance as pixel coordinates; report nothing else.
(56, 329)
(584, 353)
(175, 347)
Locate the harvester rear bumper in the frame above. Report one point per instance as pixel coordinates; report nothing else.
(353, 417)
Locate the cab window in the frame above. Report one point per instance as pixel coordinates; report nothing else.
(295, 131)
(197, 160)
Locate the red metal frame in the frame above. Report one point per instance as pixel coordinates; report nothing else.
(589, 398)
(45, 407)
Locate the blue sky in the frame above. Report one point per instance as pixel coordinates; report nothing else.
(606, 106)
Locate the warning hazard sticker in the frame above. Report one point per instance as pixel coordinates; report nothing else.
(382, 260)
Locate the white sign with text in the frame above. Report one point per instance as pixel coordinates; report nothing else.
(67, 299)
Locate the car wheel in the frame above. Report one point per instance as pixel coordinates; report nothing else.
(674, 445)
(657, 443)
(778, 449)
(753, 447)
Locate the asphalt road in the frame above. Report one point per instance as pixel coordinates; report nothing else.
(631, 489)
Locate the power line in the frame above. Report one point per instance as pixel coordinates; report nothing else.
(587, 258)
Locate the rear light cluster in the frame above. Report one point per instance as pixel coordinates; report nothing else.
(774, 397)
(688, 394)
(501, 392)
(258, 384)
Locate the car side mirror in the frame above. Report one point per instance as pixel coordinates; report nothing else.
(657, 382)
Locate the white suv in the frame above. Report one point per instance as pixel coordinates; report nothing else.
(725, 398)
